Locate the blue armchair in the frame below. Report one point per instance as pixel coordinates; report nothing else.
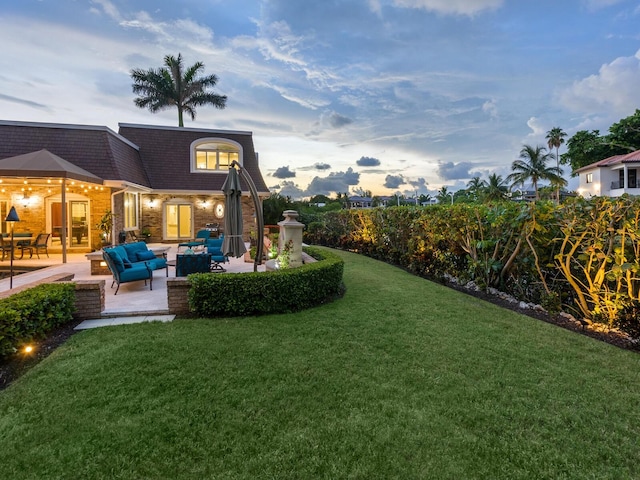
(214, 247)
(130, 272)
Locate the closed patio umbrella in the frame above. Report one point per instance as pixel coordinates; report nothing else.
(233, 243)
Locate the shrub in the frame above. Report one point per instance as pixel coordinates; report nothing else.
(29, 315)
(280, 291)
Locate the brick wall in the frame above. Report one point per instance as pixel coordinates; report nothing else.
(177, 296)
(90, 299)
(90, 294)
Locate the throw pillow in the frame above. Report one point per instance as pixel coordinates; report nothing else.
(146, 255)
(116, 259)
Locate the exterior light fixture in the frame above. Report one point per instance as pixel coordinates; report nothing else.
(11, 219)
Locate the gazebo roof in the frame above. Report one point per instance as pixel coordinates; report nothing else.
(43, 164)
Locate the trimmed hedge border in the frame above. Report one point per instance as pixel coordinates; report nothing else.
(31, 314)
(281, 291)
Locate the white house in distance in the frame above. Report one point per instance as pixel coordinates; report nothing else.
(611, 177)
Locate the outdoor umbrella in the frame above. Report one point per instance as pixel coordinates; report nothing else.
(233, 243)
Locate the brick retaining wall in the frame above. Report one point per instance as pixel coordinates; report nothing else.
(90, 294)
(178, 296)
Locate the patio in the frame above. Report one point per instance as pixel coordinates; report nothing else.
(133, 298)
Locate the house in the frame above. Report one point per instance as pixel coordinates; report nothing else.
(164, 180)
(611, 177)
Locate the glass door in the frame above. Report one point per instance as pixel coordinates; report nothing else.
(178, 221)
(77, 222)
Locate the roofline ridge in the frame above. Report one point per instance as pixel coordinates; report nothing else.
(72, 126)
(182, 129)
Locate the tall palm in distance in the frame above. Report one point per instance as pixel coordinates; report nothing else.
(476, 187)
(532, 167)
(444, 196)
(555, 138)
(495, 189)
(173, 86)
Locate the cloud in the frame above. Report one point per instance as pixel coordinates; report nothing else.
(290, 189)
(419, 183)
(612, 89)
(284, 172)
(454, 171)
(336, 120)
(536, 129)
(368, 162)
(321, 166)
(22, 101)
(456, 7)
(393, 181)
(335, 182)
(490, 108)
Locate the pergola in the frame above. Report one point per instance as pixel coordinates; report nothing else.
(45, 166)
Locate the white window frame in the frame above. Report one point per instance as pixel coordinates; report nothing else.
(130, 202)
(223, 141)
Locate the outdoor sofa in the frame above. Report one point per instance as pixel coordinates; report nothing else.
(132, 262)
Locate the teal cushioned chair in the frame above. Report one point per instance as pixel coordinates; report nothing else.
(124, 273)
(214, 247)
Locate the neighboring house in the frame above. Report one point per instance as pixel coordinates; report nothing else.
(166, 180)
(611, 177)
(359, 202)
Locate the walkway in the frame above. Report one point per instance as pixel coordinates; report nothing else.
(133, 300)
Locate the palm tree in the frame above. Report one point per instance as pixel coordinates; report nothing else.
(172, 85)
(532, 167)
(496, 188)
(555, 138)
(475, 186)
(444, 196)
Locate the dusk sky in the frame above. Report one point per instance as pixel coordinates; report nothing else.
(383, 95)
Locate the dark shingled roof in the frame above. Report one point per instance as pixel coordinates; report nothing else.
(166, 156)
(95, 149)
(150, 156)
(43, 163)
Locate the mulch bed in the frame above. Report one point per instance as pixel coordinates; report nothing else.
(15, 366)
(613, 337)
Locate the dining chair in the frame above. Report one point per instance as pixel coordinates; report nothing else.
(6, 247)
(40, 243)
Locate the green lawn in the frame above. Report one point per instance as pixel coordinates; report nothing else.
(401, 378)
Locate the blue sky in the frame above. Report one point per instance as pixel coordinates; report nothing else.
(383, 95)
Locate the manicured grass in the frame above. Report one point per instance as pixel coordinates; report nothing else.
(401, 378)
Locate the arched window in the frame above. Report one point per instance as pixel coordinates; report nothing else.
(214, 154)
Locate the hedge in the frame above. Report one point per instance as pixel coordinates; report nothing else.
(280, 291)
(582, 256)
(31, 314)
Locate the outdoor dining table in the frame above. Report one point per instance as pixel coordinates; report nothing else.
(18, 239)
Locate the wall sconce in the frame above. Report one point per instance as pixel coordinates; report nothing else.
(204, 204)
(25, 200)
(151, 203)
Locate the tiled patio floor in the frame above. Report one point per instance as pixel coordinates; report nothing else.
(133, 299)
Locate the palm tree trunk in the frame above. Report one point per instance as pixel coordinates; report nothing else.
(180, 122)
(558, 167)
